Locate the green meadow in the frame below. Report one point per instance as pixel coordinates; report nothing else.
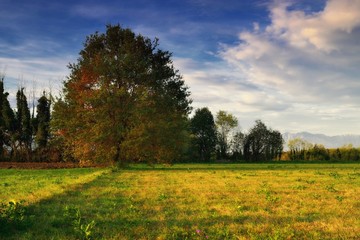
(185, 201)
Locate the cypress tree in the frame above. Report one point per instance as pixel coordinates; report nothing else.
(23, 120)
(8, 136)
(43, 120)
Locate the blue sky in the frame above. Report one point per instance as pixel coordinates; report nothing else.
(293, 64)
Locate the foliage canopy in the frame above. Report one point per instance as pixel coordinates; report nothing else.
(262, 143)
(225, 122)
(123, 101)
(203, 132)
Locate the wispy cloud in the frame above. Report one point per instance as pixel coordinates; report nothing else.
(97, 11)
(33, 65)
(309, 59)
(306, 54)
(35, 74)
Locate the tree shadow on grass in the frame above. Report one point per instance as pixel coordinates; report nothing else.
(46, 219)
(118, 216)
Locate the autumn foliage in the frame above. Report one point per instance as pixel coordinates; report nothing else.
(123, 101)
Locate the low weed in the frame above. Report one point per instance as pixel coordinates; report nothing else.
(335, 175)
(319, 173)
(163, 197)
(310, 181)
(339, 198)
(331, 188)
(316, 196)
(308, 217)
(58, 181)
(271, 198)
(84, 229)
(13, 212)
(179, 233)
(269, 194)
(300, 187)
(12, 217)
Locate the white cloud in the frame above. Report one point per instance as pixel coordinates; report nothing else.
(318, 29)
(38, 64)
(298, 50)
(35, 74)
(308, 60)
(294, 42)
(217, 86)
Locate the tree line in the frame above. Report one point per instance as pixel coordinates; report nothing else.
(23, 136)
(28, 137)
(124, 102)
(302, 150)
(217, 139)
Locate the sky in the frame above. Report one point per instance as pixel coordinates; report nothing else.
(293, 64)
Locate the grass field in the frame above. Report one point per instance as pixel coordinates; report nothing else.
(220, 201)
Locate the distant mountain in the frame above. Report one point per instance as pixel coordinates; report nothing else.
(327, 141)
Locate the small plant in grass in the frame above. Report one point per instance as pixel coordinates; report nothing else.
(240, 209)
(308, 217)
(58, 181)
(13, 217)
(222, 233)
(300, 187)
(316, 196)
(331, 188)
(339, 198)
(335, 175)
(201, 234)
(163, 197)
(271, 198)
(134, 209)
(85, 230)
(310, 181)
(181, 233)
(269, 194)
(13, 212)
(319, 173)
(351, 177)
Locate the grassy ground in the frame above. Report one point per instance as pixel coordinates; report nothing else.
(227, 201)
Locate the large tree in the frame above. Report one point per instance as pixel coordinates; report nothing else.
(123, 101)
(203, 132)
(225, 123)
(262, 143)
